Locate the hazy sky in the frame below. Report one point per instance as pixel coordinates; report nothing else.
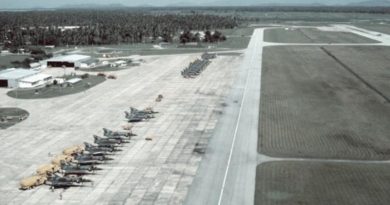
(6, 4)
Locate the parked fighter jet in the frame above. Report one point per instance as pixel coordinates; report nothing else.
(133, 117)
(147, 111)
(108, 141)
(57, 181)
(117, 135)
(139, 115)
(76, 166)
(76, 172)
(95, 154)
(89, 160)
(99, 148)
(195, 68)
(123, 137)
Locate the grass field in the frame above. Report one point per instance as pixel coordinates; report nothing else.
(374, 69)
(383, 27)
(307, 18)
(10, 116)
(239, 31)
(237, 38)
(312, 35)
(297, 183)
(56, 90)
(314, 107)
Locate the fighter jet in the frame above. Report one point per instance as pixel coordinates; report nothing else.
(139, 115)
(123, 137)
(89, 159)
(147, 111)
(99, 148)
(106, 141)
(57, 181)
(116, 134)
(93, 153)
(134, 118)
(76, 166)
(195, 68)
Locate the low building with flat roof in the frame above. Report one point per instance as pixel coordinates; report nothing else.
(36, 80)
(10, 78)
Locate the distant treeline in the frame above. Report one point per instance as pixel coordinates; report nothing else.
(331, 9)
(94, 27)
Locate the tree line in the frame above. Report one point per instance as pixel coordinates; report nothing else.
(96, 27)
(209, 37)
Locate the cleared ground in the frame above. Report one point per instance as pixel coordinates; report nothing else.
(312, 35)
(313, 106)
(297, 183)
(158, 171)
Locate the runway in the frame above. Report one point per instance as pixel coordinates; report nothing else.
(228, 170)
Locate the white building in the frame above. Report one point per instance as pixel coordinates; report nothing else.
(73, 81)
(35, 65)
(10, 78)
(91, 63)
(119, 63)
(67, 61)
(35, 81)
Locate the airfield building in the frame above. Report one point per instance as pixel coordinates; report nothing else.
(10, 78)
(35, 80)
(66, 61)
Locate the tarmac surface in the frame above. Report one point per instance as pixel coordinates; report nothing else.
(158, 171)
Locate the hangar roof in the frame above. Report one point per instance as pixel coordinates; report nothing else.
(36, 78)
(70, 58)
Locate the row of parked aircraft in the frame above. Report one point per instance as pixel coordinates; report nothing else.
(69, 168)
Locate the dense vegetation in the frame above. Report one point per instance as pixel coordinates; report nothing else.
(135, 25)
(209, 37)
(91, 27)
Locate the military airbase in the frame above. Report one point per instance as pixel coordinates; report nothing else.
(298, 117)
(159, 163)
